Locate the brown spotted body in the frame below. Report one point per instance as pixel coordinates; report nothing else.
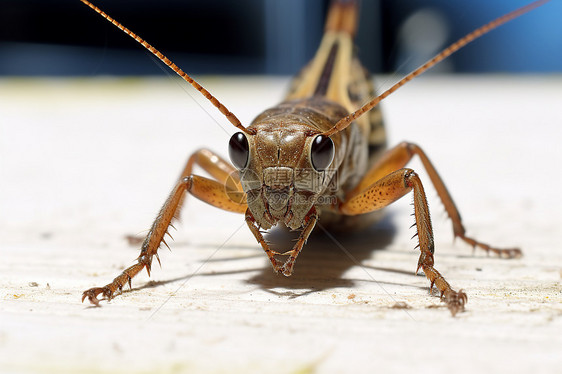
(319, 155)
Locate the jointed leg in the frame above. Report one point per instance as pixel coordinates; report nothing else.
(287, 267)
(389, 189)
(397, 158)
(216, 193)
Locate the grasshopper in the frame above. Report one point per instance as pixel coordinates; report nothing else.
(314, 156)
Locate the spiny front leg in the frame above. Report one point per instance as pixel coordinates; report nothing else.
(108, 291)
(309, 223)
(255, 229)
(385, 191)
(287, 267)
(224, 193)
(455, 300)
(149, 247)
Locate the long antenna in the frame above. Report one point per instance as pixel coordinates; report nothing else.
(344, 122)
(224, 110)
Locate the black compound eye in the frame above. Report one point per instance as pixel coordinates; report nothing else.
(322, 152)
(238, 150)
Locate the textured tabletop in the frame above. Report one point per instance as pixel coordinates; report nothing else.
(83, 163)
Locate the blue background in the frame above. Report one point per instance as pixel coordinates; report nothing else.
(262, 36)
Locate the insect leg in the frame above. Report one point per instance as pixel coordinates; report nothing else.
(385, 191)
(219, 193)
(310, 222)
(287, 267)
(397, 158)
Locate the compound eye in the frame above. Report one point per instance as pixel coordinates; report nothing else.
(239, 150)
(322, 152)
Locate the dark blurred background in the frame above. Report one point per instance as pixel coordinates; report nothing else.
(64, 37)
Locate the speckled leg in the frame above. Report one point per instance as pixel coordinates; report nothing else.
(397, 158)
(224, 192)
(389, 189)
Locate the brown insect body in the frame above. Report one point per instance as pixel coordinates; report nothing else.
(313, 155)
(280, 158)
(332, 85)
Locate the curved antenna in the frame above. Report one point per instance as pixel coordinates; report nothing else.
(224, 110)
(346, 121)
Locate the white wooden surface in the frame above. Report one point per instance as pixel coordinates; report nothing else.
(85, 162)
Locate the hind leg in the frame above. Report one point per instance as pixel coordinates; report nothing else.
(397, 158)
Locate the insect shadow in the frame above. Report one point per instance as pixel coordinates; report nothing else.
(326, 259)
(321, 266)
